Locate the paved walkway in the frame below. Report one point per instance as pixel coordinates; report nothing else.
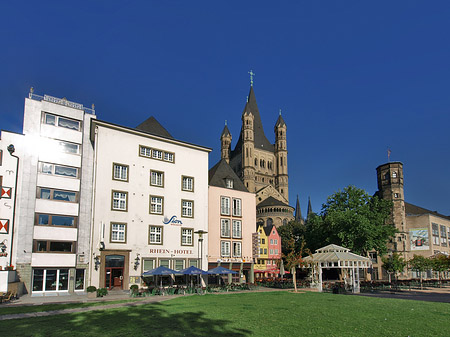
(427, 294)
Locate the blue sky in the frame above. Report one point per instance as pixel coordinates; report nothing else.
(353, 78)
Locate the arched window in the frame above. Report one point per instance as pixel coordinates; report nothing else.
(285, 222)
(269, 222)
(256, 162)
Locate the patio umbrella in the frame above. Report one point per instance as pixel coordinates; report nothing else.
(221, 270)
(192, 271)
(161, 270)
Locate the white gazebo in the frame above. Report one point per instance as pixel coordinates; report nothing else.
(334, 256)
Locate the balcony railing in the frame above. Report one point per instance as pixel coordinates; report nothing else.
(61, 101)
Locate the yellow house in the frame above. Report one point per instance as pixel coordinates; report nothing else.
(261, 249)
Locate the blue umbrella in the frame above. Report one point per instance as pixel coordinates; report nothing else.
(221, 270)
(192, 271)
(161, 270)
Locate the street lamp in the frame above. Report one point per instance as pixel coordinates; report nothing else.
(200, 233)
(11, 150)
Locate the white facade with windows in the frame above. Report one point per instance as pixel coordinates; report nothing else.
(151, 196)
(54, 204)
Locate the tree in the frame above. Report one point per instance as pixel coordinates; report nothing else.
(353, 219)
(292, 230)
(420, 264)
(393, 264)
(440, 263)
(294, 259)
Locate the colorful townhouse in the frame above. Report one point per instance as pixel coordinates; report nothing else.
(268, 249)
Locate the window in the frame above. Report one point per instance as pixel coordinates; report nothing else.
(271, 241)
(261, 251)
(67, 147)
(187, 208)
(148, 152)
(275, 241)
(156, 204)
(55, 220)
(59, 195)
(237, 229)
(263, 241)
(52, 280)
(225, 228)
(187, 184)
(276, 251)
(237, 249)
(58, 170)
(225, 248)
(186, 236)
(271, 251)
(118, 232)
(193, 262)
(435, 232)
(79, 279)
(157, 154)
(265, 250)
(155, 235)
(62, 122)
(168, 156)
(394, 174)
(224, 205)
(157, 178)
(443, 236)
(148, 264)
(164, 263)
(237, 207)
(120, 172)
(119, 201)
(179, 264)
(229, 183)
(44, 246)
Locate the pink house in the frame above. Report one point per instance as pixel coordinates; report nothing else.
(231, 222)
(274, 249)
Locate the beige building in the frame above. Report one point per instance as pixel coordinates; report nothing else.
(420, 231)
(231, 219)
(261, 165)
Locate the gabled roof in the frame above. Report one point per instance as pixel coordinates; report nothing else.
(411, 209)
(151, 125)
(260, 139)
(268, 229)
(222, 171)
(271, 201)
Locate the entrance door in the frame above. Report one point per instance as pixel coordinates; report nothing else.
(114, 271)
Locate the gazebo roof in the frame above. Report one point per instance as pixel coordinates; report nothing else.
(335, 253)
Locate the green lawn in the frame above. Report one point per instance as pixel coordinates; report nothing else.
(258, 314)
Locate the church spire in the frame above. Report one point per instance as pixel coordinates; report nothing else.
(298, 212)
(309, 211)
(225, 140)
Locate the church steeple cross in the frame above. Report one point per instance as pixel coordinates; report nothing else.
(251, 77)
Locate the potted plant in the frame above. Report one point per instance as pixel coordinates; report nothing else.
(102, 292)
(91, 292)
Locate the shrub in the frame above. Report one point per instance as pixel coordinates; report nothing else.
(134, 288)
(102, 292)
(91, 289)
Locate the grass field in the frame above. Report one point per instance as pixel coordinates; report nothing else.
(245, 314)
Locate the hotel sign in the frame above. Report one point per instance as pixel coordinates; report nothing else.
(172, 221)
(171, 251)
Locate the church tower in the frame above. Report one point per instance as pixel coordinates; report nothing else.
(248, 149)
(225, 140)
(281, 179)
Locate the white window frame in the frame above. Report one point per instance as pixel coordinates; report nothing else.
(157, 154)
(237, 207)
(52, 169)
(187, 208)
(119, 201)
(187, 236)
(120, 172)
(157, 232)
(156, 204)
(156, 178)
(225, 228)
(187, 184)
(57, 121)
(225, 205)
(121, 229)
(225, 248)
(169, 156)
(237, 229)
(237, 249)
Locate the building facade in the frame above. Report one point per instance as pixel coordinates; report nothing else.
(231, 220)
(53, 209)
(267, 248)
(261, 165)
(150, 203)
(420, 231)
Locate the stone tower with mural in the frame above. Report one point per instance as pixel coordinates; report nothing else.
(261, 165)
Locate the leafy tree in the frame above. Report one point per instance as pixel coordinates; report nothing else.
(292, 230)
(440, 263)
(353, 219)
(393, 264)
(420, 264)
(294, 259)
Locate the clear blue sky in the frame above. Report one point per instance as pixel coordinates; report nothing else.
(353, 78)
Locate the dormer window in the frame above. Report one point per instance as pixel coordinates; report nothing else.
(229, 183)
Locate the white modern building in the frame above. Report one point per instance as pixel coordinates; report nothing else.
(53, 210)
(150, 202)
